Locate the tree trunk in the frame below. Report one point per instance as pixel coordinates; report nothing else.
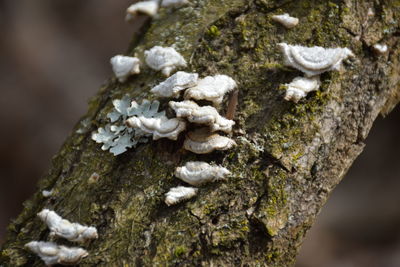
(288, 159)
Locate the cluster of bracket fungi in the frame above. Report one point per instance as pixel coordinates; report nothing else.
(50, 252)
(132, 123)
(204, 138)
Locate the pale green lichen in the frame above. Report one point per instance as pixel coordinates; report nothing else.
(118, 137)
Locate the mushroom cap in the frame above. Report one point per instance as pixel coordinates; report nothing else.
(313, 60)
(202, 141)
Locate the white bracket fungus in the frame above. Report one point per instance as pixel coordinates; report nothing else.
(286, 20)
(197, 173)
(165, 59)
(53, 254)
(63, 228)
(313, 60)
(174, 3)
(300, 87)
(201, 141)
(124, 66)
(160, 127)
(178, 194)
(174, 84)
(380, 48)
(211, 88)
(118, 137)
(149, 8)
(202, 115)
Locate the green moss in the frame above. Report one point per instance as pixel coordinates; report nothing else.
(333, 5)
(272, 255)
(213, 31)
(346, 10)
(251, 107)
(275, 66)
(227, 235)
(180, 251)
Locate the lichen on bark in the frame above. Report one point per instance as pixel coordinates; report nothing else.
(288, 159)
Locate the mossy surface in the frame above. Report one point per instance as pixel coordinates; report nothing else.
(288, 158)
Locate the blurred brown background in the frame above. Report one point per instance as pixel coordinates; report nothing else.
(55, 55)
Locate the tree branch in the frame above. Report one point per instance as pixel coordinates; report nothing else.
(288, 159)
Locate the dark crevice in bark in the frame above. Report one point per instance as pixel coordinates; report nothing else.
(258, 236)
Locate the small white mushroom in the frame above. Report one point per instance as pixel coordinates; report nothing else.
(197, 173)
(380, 48)
(286, 20)
(174, 84)
(47, 193)
(149, 8)
(124, 66)
(211, 88)
(165, 59)
(201, 141)
(370, 12)
(63, 228)
(202, 115)
(160, 127)
(300, 87)
(174, 3)
(313, 60)
(178, 194)
(52, 253)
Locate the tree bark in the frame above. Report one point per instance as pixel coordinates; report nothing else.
(288, 159)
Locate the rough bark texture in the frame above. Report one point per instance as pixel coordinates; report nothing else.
(288, 159)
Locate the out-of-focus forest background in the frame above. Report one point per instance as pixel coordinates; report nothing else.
(55, 55)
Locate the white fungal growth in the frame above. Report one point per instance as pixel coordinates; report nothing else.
(202, 115)
(52, 253)
(211, 88)
(149, 8)
(370, 12)
(165, 59)
(286, 20)
(47, 193)
(124, 66)
(174, 3)
(94, 178)
(160, 127)
(178, 194)
(380, 48)
(314, 60)
(63, 228)
(201, 141)
(174, 84)
(300, 87)
(197, 173)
